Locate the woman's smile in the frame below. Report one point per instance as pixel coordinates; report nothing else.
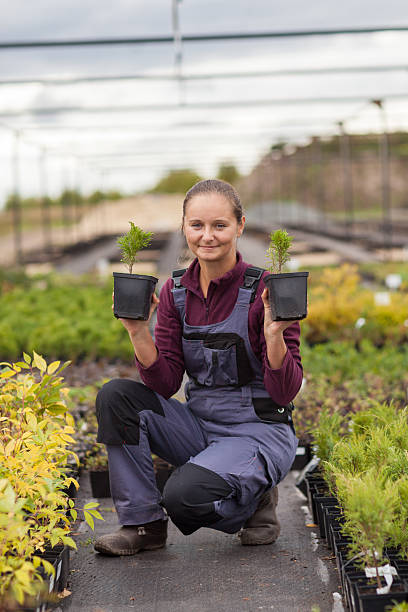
(210, 217)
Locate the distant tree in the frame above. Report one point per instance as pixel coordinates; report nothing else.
(96, 197)
(14, 199)
(177, 181)
(113, 194)
(228, 172)
(47, 201)
(69, 197)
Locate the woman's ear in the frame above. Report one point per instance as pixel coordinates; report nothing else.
(241, 227)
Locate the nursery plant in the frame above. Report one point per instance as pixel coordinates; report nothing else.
(131, 243)
(62, 318)
(287, 290)
(369, 504)
(35, 437)
(277, 253)
(133, 292)
(96, 461)
(96, 458)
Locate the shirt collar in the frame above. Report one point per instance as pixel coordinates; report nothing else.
(191, 277)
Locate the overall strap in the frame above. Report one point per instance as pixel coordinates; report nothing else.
(179, 292)
(252, 277)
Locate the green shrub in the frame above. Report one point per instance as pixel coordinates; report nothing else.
(35, 437)
(63, 321)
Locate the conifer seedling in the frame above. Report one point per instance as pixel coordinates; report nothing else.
(131, 243)
(277, 253)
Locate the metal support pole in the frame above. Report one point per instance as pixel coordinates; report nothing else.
(16, 210)
(102, 205)
(297, 188)
(308, 182)
(320, 183)
(384, 152)
(278, 190)
(178, 53)
(77, 189)
(288, 188)
(281, 179)
(64, 203)
(45, 204)
(345, 150)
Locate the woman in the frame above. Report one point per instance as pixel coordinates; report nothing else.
(233, 440)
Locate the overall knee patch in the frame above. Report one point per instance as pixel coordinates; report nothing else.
(118, 406)
(189, 497)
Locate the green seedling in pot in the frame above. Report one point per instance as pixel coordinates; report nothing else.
(131, 243)
(277, 254)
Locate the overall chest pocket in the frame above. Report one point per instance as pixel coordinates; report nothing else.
(217, 359)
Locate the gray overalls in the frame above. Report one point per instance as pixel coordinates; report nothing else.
(230, 440)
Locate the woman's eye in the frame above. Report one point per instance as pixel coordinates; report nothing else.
(221, 225)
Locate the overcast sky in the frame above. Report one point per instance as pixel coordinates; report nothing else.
(131, 149)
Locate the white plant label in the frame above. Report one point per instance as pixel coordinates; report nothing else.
(388, 571)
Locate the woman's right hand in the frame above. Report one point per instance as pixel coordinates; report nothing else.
(136, 327)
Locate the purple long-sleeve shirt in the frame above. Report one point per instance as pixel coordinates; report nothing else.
(165, 375)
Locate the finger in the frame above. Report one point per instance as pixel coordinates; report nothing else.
(265, 298)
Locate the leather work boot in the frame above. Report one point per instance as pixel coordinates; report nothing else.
(130, 539)
(263, 526)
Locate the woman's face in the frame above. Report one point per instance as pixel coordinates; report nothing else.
(211, 228)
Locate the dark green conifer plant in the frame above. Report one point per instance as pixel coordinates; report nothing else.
(277, 253)
(131, 243)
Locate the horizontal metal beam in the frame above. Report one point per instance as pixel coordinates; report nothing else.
(144, 40)
(205, 77)
(57, 110)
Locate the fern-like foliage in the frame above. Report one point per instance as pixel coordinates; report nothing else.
(131, 243)
(277, 254)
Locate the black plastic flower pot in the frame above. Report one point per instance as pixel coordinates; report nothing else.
(309, 471)
(302, 458)
(312, 488)
(351, 580)
(370, 601)
(133, 295)
(287, 295)
(317, 490)
(58, 556)
(321, 503)
(330, 515)
(62, 566)
(100, 483)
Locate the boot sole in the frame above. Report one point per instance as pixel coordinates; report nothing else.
(126, 552)
(257, 542)
(250, 539)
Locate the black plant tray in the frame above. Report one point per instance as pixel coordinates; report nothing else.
(100, 483)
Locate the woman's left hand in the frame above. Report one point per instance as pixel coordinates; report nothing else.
(272, 328)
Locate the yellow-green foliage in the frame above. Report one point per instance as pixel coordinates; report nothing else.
(367, 469)
(370, 503)
(35, 433)
(338, 301)
(335, 304)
